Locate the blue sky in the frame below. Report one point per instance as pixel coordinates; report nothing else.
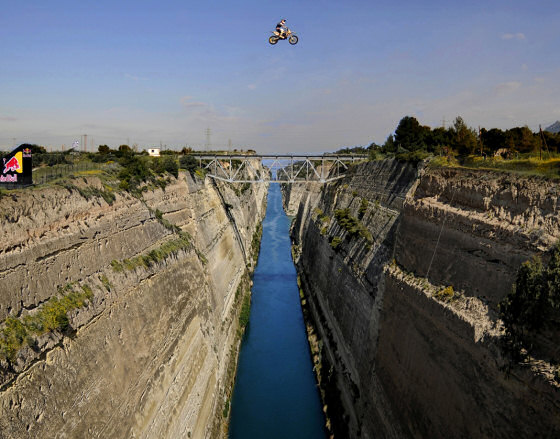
(147, 72)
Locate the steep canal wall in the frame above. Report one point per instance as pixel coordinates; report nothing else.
(153, 286)
(402, 269)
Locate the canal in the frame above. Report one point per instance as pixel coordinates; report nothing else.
(275, 394)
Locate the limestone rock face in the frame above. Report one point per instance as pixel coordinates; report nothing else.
(374, 249)
(148, 355)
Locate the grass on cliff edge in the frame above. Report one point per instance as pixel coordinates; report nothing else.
(51, 316)
(548, 167)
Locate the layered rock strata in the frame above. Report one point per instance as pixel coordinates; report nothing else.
(150, 355)
(401, 354)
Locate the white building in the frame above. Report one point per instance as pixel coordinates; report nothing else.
(153, 152)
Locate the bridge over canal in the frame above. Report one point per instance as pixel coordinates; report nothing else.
(280, 168)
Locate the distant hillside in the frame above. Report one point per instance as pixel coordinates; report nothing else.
(554, 128)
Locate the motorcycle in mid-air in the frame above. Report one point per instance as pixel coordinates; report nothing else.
(289, 35)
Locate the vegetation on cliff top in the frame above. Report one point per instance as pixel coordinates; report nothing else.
(516, 149)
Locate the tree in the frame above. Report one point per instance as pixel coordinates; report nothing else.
(35, 149)
(410, 134)
(464, 139)
(436, 139)
(389, 145)
(189, 163)
(171, 166)
(103, 149)
(552, 141)
(523, 139)
(493, 139)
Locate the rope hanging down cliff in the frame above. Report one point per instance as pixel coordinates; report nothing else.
(439, 236)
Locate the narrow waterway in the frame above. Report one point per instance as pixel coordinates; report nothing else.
(275, 393)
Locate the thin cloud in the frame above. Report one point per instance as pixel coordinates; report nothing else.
(8, 118)
(134, 77)
(187, 102)
(507, 87)
(517, 36)
(252, 86)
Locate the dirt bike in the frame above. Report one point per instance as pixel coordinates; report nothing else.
(289, 35)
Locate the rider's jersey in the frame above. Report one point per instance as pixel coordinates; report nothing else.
(279, 27)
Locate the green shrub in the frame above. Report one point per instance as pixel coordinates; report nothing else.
(352, 225)
(412, 156)
(200, 173)
(89, 192)
(225, 411)
(533, 301)
(189, 163)
(245, 312)
(363, 207)
(106, 282)
(117, 266)
(165, 164)
(51, 316)
(335, 242)
(446, 294)
(134, 172)
(155, 255)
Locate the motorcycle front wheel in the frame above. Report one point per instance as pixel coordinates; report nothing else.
(293, 39)
(272, 40)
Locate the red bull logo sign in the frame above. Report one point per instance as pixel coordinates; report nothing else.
(16, 166)
(13, 165)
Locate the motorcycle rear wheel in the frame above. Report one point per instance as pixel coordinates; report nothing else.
(273, 40)
(293, 39)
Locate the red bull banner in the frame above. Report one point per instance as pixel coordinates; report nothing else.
(16, 168)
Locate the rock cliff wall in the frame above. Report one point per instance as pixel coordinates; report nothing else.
(396, 357)
(152, 352)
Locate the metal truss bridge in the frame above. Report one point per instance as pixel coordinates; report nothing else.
(277, 168)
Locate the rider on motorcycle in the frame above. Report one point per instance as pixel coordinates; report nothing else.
(281, 28)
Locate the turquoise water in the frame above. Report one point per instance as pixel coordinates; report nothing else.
(275, 394)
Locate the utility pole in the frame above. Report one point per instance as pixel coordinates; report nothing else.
(208, 133)
(480, 140)
(85, 142)
(543, 141)
(229, 145)
(443, 122)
